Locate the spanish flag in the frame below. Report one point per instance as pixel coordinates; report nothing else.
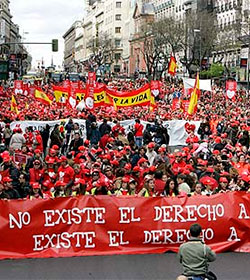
(172, 66)
(42, 96)
(13, 105)
(152, 103)
(194, 96)
(61, 94)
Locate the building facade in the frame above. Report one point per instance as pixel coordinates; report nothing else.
(144, 13)
(14, 58)
(70, 48)
(114, 19)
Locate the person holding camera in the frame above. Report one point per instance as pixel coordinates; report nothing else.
(194, 256)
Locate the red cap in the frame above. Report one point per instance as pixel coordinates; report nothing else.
(217, 140)
(36, 186)
(210, 169)
(161, 149)
(125, 180)
(7, 158)
(7, 179)
(60, 183)
(52, 151)
(114, 162)
(63, 158)
(179, 154)
(86, 142)
(128, 166)
(151, 145)
(136, 169)
(37, 151)
(142, 160)
(127, 148)
(55, 147)
(223, 180)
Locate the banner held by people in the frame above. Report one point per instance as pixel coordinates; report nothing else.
(66, 227)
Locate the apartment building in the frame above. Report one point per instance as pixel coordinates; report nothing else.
(113, 18)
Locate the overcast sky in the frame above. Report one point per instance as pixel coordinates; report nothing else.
(45, 20)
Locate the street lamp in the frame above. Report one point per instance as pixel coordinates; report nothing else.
(198, 31)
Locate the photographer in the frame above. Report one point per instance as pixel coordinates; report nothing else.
(194, 256)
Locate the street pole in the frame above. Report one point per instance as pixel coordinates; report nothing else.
(198, 31)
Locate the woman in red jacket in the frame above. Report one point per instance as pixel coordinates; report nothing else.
(36, 173)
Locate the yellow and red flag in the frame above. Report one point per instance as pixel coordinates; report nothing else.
(42, 96)
(192, 108)
(13, 105)
(61, 94)
(172, 66)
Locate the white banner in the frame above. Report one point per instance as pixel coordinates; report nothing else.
(176, 128)
(204, 84)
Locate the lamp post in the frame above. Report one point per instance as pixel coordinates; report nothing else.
(198, 31)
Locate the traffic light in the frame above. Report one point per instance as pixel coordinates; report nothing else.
(55, 45)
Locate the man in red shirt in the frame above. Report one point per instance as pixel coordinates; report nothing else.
(118, 129)
(138, 128)
(179, 164)
(66, 173)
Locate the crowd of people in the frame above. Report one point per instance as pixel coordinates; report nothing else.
(60, 161)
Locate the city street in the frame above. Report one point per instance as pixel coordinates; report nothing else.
(228, 266)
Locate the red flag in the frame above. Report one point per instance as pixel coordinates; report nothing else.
(172, 66)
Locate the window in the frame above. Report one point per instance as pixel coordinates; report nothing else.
(117, 68)
(117, 56)
(118, 30)
(117, 42)
(118, 4)
(118, 17)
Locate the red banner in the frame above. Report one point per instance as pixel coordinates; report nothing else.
(104, 225)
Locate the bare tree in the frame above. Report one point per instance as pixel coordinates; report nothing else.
(158, 44)
(198, 45)
(102, 48)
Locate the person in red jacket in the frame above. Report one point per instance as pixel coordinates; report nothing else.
(65, 172)
(36, 173)
(138, 132)
(118, 129)
(104, 140)
(192, 138)
(179, 164)
(38, 141)
(50, 169)
(79, 174)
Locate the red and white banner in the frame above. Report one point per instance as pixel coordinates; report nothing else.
(155, 88)
(104, 225)
(231, 88)
(18, 87)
